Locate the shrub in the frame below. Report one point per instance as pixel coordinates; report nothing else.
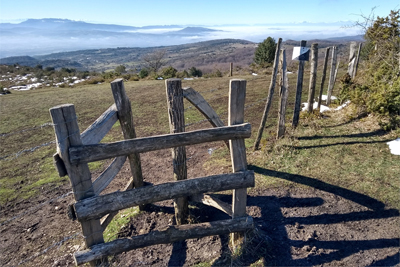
(265, 52)
(143, 73)
(168, 72)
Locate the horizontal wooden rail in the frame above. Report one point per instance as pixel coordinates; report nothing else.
(96, 207)
(96, 132)
(106, 177)
(89, 153)
(170, 235)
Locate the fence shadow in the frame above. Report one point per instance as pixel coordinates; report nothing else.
(359, 135)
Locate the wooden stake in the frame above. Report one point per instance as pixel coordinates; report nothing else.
(284, 93)
(270, 95)
(126, 120)
(323, 77)
(357, 60)
(352, 59)
(67, 134)
(299, 89)
(332, 75)
(177, 125)
(237, 97)
(313, 76)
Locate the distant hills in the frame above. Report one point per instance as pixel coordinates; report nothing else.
(51, 35)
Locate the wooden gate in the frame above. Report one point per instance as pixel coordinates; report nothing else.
(95, 212)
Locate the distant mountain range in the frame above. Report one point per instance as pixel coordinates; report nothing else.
(43, 36)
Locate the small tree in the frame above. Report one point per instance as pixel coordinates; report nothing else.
(143, 73)
(168, 72)
(120, 69)
(265, 52)
(154, 61)
(195, 72)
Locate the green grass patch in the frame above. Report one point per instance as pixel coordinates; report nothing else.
(118, 222)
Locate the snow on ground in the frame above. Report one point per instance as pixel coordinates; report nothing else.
(325, 108)
(394, 146)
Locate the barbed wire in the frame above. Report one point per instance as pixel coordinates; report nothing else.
(27, 129)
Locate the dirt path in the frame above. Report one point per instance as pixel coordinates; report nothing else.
(317, 226)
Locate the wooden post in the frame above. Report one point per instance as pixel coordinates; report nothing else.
(284, 93)
(231, 70)
(299, 89)
(237, 97)
(332, 75)
(126, 120)
(357, 60)
(352, 59)
(67, 135)
(176, 125)
(313, 76)
(270, 95)
(323, 77)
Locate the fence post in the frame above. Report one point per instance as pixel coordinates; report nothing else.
(323, 77)
(299, 89)
(128, 128)
(332, 75)
(357, 60)
(270, 95)
(177, 125)
(231, 70)
(67, 134)
(237, 96)
(283, 93)
(313, 76)
(352, 59)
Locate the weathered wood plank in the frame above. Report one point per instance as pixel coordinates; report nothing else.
(352, 59)
(96, 132)
(108, 175)
(176, 116)
(139, 145)
(96, 207)
(202, 105)
(299, 89)
(270, 95)
(237, 98)
(357, 60)
(171, 234)
(212, 201)
(283, 94)
(313, 76)
(68, 134)
(323, 78)
(126, 120)
(332, 75)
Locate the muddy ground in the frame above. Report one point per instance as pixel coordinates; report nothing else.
(318, 226)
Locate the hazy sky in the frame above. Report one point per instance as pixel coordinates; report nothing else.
(184, 12)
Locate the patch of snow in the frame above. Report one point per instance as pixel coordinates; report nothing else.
(324, 97)
(289, 72)
(344, 105)
(188, 79)
(394, 146)
(160, 78)
(254, 74)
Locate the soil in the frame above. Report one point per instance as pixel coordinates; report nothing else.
(317, 226)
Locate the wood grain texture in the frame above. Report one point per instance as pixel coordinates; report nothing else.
(126, 120)
(68, 134)
(106, 177)
(96, 132)
(91, 153)
(299, 89)
(237, 98)
(176, 117)
(332, 77)
(96, 207)
(283, 94)
(171, 234)
(313, 76)
(270, 95)
(323, 78)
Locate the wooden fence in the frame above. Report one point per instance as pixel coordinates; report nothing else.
(95, 212)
